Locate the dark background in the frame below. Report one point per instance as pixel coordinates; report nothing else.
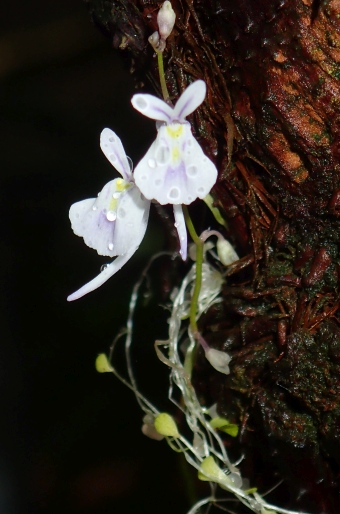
(70, 437)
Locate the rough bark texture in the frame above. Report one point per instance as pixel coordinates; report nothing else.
(270, 123)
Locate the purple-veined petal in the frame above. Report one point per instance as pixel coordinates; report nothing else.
(114, 151)
(103, 276)
(152, 107)
(181, 231)
(189, 100)
(175, 170)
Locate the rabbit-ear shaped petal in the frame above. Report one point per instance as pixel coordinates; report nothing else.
(189, 100)
(152, 107)
(114, 151)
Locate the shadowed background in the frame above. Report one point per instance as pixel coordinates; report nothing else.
(71, 439)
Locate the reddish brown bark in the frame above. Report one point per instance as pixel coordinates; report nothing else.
(271, 124)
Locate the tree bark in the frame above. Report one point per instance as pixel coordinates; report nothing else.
(271, 124)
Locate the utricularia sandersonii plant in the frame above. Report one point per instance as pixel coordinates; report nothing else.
(175, 171)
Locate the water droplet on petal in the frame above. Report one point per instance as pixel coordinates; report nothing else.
(111, 215)
(110, 246)
(162, 155)
(152, 163)
(113, 158)
(116, 195)
(94, 208)
(192, 171)
(104, 266)
(111, 139)
(176, 225)
(158, 182)
(77, 215)
(174, 193)
(200, 190)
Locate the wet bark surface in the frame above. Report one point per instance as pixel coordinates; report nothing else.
(271, 124)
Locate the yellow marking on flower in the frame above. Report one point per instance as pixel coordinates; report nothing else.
(113, 204)
(122, 185)
(175, 130)
(175, 153)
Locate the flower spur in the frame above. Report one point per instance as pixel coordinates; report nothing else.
(115, 222)
(174, 170)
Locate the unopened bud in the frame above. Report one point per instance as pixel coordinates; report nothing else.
(148, 428)
(166, 20)
(157, 44)
(219, 360)
(226, 252)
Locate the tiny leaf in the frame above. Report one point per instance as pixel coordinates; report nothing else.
(165, 425)
(102, 364)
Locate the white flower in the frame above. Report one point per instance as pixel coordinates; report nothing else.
(174, 170)
(114, 223)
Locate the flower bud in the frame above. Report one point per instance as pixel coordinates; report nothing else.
(226, 252)
(157, 44)
(148, 428)
(166, 20)
(219, 360)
